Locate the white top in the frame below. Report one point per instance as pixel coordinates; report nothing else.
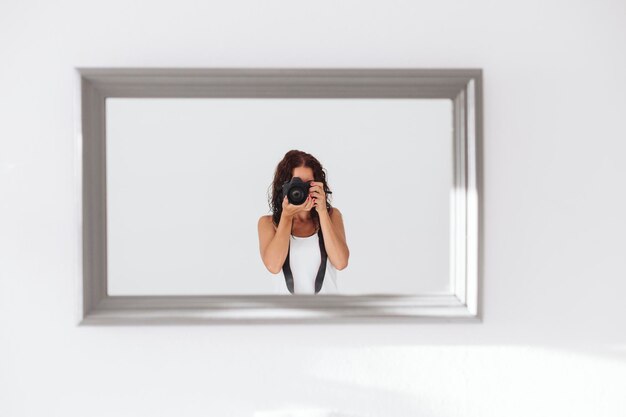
(304, 261)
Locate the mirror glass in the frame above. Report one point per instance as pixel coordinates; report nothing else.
(189, 178)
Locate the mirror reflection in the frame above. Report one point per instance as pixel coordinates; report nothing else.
(210, 196)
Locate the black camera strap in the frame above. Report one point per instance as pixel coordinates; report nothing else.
(319, 279)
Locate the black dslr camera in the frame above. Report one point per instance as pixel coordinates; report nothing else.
(296, 190)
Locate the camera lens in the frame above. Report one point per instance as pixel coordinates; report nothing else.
(297, 195)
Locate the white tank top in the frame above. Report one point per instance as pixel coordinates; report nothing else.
(304, 261)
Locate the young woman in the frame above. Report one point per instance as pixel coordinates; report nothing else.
(296, 238)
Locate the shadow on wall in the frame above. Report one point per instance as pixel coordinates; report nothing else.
(303, 413)
(367, 401)
(403, 381)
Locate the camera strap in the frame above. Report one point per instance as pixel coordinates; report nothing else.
(319, 279)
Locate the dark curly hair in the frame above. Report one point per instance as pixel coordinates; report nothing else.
(284, 172)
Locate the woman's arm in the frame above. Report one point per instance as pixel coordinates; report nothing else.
(274, 243)
(335, 238)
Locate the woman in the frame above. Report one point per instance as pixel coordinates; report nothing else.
(307, 242)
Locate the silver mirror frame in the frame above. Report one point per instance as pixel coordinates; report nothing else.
(463, 86)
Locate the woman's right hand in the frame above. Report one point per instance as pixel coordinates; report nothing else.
(290, 209)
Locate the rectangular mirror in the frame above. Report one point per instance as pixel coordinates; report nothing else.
(182, 175)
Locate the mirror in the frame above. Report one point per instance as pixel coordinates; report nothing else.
(182, 168)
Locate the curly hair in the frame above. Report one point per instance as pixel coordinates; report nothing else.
(284, 171)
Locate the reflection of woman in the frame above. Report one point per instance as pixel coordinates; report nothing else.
(295, 238)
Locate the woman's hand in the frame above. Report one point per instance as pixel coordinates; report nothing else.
(291, 209)
(319, 196)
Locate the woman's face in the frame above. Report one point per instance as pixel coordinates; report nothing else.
(305, 174)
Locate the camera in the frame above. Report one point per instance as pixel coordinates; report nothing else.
(296, 190)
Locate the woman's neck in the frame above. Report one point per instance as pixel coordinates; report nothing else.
(303, 218)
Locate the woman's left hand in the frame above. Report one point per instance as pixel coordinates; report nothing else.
(319, 196)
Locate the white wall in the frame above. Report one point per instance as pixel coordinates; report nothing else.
(553, 340)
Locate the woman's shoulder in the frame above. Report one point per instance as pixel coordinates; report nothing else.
(334, 212)
(266, 219)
